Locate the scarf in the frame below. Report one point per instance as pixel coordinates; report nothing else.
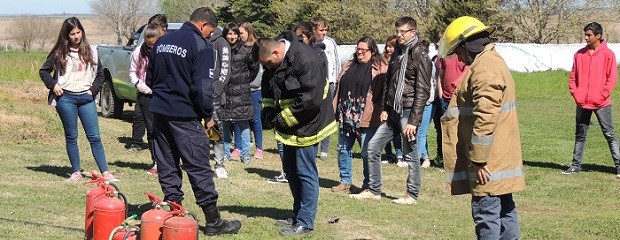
(352, 92)
(398, 98)
(143, 61)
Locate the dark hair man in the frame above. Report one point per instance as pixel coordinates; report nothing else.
(592, 80)
(406, 92)
(296, 104)
(180, 75)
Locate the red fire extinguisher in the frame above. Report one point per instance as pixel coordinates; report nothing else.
(152, 221)
(110, 212)
(92, 196)
(179, 226)
(127, 231)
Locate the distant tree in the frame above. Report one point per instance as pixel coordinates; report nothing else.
(123, 16)
(260, 13)
(26, 29)
(545, 21)
(181, 10)
(47, 36)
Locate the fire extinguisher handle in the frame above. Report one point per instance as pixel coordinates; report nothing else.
(114, 232)
(124, 198)
(129, 230)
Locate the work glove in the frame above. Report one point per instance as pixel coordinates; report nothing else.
(269, 118)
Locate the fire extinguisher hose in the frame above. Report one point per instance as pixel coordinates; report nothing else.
(124, 198)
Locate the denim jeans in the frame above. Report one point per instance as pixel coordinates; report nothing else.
(423, 131)
(398, 146)
(495, 217)
(256, 124)
(299, 164)
(325, 142)
(245, 138)
(386, 131)
(582, 119)
(345, 155)
(70, 107)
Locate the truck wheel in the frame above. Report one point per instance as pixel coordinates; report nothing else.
(111, 106)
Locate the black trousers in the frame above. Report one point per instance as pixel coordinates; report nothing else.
(143, 104)
(137, 126)
(183, 141)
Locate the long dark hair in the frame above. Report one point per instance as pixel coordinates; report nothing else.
(372, 47)
(61, 48)
(390, 41)
(306, 29)
(232, 26)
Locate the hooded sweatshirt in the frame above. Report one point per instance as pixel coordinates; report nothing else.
(593, 77)
(221, 74)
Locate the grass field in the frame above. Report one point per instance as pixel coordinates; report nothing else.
(35, 203)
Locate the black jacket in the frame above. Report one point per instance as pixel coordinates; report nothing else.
(180, 73)
(51, 70)
(237, 93)
(297, 93)
(417, 86)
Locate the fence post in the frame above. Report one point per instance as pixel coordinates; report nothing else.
(6, 44)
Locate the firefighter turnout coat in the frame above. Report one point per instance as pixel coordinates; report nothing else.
(480, 126)
(297, 94)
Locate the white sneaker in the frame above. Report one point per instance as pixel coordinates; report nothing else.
(220, 172)
(426, 163)
(405, 200)
(402, 163)
(366, 194)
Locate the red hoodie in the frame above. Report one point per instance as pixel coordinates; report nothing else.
(593, 77)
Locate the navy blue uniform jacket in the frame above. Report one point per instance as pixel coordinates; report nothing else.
(180, 74)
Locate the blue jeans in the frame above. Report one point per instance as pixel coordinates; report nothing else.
(423, 131)
(256, 124)
(299, 164)
(325, 142)
(386, 131)
(495, 217)
(582, 119)
(398, 146)
(245, 138)
(69, 108)
(345, 156)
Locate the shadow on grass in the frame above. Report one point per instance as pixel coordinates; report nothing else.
(271, 150)
(36, 224)
(267, 174)
(132, 165)
(250, 212)
(584, 167)
(55, 170)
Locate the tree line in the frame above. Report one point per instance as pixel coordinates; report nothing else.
(520, 21)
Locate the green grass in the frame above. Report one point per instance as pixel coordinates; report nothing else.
(37, 204)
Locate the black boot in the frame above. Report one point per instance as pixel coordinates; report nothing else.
(215, 225)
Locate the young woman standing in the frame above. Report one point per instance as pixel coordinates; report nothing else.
(74, 76)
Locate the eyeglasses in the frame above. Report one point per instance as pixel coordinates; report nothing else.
(402, 32)
(361, 50)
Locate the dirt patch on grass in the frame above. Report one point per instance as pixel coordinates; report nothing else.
(25, 93)
(20, 127)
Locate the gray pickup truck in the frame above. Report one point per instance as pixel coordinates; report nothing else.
(115, 60)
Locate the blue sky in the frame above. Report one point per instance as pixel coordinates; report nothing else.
(17, 7)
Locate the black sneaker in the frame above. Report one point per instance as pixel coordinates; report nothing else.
(572, 170)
